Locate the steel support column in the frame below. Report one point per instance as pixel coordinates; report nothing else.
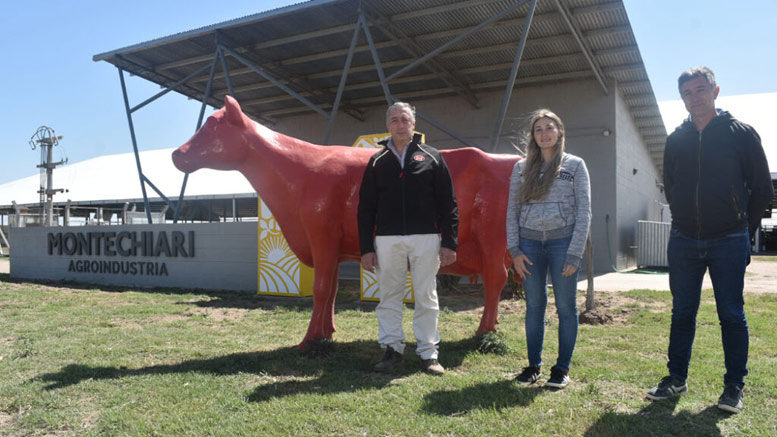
(446, 129)
(343, 79)
(376, 59)
(454, 41)
(390, 98)
(205, 98)
(275, 81)
(153, 187)
(225, 68)
(583, 46)
(168, 89)
(511, 79)
(134, 144)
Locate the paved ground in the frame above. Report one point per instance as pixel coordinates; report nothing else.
(761, 277)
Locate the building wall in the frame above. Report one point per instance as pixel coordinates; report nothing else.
(224, 255)
(586, 111)
(637, 181)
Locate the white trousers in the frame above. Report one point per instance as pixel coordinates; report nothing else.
(422, 253)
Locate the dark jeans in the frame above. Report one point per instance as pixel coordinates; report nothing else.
(689, 258)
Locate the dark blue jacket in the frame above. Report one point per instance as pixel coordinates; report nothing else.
(716, 181)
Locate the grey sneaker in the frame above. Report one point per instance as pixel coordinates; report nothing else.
(433, 367)
(558, 378)
(529, 375)
(390, 359)
(667, 388)
(732, 399)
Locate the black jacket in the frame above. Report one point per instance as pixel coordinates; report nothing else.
(716, 181)
(418, 199)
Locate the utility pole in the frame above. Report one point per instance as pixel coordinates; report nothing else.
(46, 139)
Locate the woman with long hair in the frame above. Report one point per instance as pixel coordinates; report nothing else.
(548, 215)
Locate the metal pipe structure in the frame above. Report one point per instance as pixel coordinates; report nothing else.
(361, 24)
(134, 144)
(225, 68)
(390, 98)
(454, 41)
(511, 79)
(168, 89)
(148, 181)
(205, 98)
(343, 79)
(583, 47)
(275, 81)
(376, 59)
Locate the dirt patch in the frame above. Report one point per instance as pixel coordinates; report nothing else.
(220, 314)
(5, 420)
(762, 276)
(610, 308)
(595, 317)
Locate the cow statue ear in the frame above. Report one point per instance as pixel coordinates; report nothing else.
(233, 112)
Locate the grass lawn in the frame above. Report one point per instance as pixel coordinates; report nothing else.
(80, 360)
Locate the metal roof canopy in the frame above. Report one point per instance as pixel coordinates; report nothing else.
(329, 55)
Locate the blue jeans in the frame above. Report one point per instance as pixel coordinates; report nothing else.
(549, 256)
(726, 257)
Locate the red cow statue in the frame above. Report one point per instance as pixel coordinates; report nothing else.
(313, 192)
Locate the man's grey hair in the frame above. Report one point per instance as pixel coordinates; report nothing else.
(693, 73)
(400, 105)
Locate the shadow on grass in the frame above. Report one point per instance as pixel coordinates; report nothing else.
(347, 368)
(348, 296)
(658, 418)
(214, 298)
(495, 395)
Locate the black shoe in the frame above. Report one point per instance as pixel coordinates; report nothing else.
(558, 378)
(390, 359)
(668, 387)
(732, 399)
(433, 367)
(529, 375)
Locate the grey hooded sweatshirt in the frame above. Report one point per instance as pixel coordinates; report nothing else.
(565, 210)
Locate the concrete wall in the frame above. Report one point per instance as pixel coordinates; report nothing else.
(586, 111)
(639, 196)
(224, 255)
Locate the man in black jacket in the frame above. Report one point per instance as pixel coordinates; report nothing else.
(407, 217)
(717, 183)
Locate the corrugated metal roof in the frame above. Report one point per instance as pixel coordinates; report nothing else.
(305, 47)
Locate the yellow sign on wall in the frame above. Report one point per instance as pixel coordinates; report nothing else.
(280, 272)
(369, 282)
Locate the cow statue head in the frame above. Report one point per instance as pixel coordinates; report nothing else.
(221, 143)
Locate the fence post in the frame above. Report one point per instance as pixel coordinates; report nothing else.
(590, 303)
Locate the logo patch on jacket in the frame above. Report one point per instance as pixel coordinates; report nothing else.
(566, 176)
(418, 158)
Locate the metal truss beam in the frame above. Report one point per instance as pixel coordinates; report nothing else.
(450, 78)
(511, 78)
(577, 34)
(387, 93)
(134, 144)
(343, 79)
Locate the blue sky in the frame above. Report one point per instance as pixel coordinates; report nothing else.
(49, 78)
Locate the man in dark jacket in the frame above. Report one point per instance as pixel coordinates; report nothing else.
(717, 183)
(407, 217)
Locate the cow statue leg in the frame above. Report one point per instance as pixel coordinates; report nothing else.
(494, 280)
(322, 324)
